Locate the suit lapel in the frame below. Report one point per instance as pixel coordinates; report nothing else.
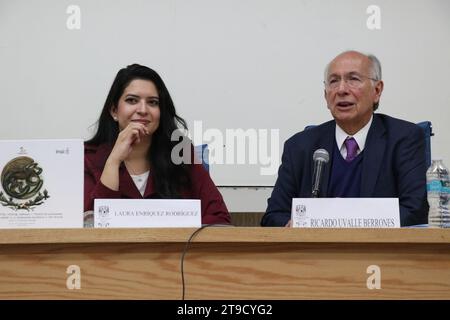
(373, 156)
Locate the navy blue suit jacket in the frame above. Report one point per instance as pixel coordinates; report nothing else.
(393, 167)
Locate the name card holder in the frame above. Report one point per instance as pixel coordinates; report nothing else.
(147, 213)
(345, 213)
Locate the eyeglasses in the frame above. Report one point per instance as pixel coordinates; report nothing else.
(353, 80)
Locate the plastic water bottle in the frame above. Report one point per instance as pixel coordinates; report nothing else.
(438, 194)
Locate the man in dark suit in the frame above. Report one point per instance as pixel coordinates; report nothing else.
(371, 155)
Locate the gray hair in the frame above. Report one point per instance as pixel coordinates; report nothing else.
(375, 69)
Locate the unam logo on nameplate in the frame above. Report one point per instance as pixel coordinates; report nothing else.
(301, 219)
(103, 217)
(147, 213)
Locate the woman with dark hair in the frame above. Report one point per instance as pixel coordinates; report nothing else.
(130, 154)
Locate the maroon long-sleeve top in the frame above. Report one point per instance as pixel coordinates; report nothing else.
(214, 210)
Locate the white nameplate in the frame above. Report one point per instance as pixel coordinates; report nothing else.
(147, 213)
(345, 213)
(41, 183)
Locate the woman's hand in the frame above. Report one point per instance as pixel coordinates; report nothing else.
(127, 138)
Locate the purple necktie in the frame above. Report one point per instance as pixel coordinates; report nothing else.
(352, 148)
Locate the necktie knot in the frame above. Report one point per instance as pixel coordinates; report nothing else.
(352, 149)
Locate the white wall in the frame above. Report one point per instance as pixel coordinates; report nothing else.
(247, 64)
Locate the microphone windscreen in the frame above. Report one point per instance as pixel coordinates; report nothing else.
(321, 155)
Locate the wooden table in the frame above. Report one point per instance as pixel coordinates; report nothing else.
(225, 263)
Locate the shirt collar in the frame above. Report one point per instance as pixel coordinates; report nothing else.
(360, 136)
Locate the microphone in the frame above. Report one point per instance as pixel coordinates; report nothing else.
(320, 158)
